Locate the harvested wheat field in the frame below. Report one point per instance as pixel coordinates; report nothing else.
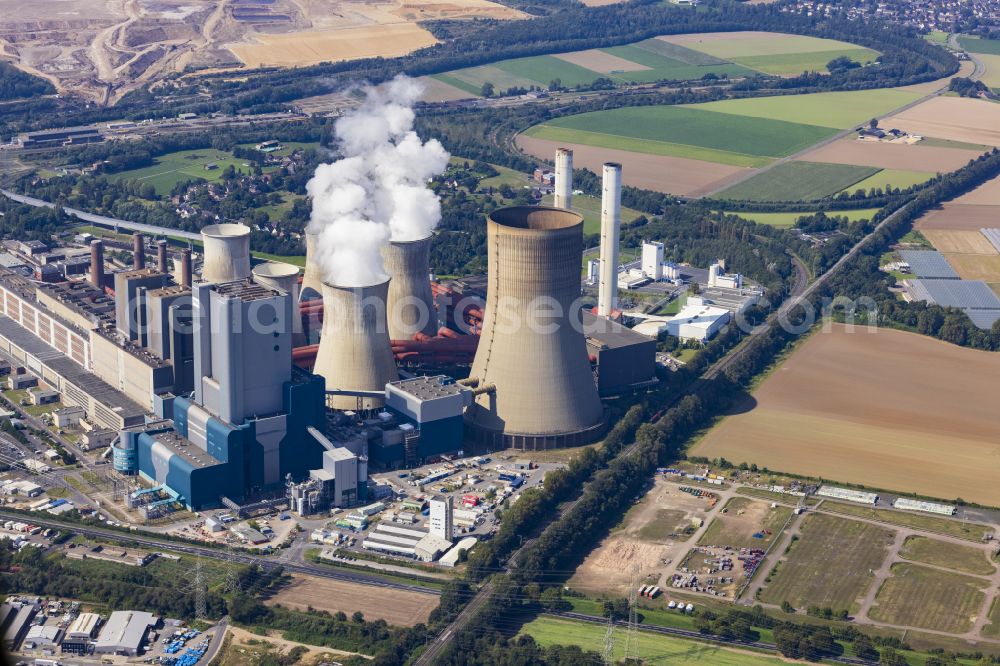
(399, 607)
(976, 266)
(676, 175)
(439, 91)
(599, 61)
(892, 155)
(987, 194)
(888, 409)
(310, 48)
(958, 217)
(953, 118)
(959, 242)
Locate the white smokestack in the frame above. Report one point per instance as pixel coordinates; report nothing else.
(378, 190)
(564, 179)
(611, 220)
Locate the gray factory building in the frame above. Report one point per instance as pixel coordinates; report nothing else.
(625, 359)
(125, 633)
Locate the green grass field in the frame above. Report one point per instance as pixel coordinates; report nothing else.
(652, 648)
(798, 181)
(955, 528)
(180, 166)
(679, 53)
(892, 178)
(692, 126)
(937, 37)
(966, 559)
(663, 67)
(836, 110)
(742, 46)
(976, 45)
(789, 219)
(809, 576)
(992, 630)
(783, 64)
(927, 598)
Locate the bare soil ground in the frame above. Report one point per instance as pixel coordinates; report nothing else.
(892, 156)
(643, 539)
(959, 242)
(955, 118)
(742, 519)
(599, 61)
(244, 642)
(675, 175)
(987, 194)
(889, 410)
(439, 91)
(976, 266)
(397, 607)
(695, 38)
(959, 217)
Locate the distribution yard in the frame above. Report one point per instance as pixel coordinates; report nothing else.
(929, 598)
(810, 574)
(868, 408)
(398, 607)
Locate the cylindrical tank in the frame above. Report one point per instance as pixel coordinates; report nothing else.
(285, 277)
(611, 222)
(312, 280)
(354, 349)
(161, 256)
(227, 253)
(532, 347)
(564, 179)
(138, 252)
(410, 306)
(97, 263)
(184, 269)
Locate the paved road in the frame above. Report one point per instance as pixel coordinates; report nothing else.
(216, 554)
(980, 69)
(217, 640)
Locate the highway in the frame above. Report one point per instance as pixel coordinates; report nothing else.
(217, 554)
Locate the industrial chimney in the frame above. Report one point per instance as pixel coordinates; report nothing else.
(227, 253)
(184, 277)
(530, 350)
(138, 252)
(564, 179)
(410, 306)
(312, 280)
(97, 263)
(284, 277)
(354, 350)
(161, 256)
(611, 222)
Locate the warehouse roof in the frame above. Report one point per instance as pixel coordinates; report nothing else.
(603, 333)
(928, 264)
(124, 631)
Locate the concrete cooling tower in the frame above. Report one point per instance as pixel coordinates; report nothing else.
(354, 349)
(227, 253)
(410, 306)
(538, 391)
(285, 277)
(312, 281)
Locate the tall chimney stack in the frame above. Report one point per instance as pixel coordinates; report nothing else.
(564, 179)
(138, 252)
(97, 263)
(611, 220)
(185, 272)
(161, 256)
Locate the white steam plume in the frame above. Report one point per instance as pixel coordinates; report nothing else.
(378, 190)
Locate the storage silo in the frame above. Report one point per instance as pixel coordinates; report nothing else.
(538, 388)
(227, 253)
(312, 280)
(354, 349)
(410, 305)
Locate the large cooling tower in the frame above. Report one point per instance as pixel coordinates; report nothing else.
(354, 350)
(312, 281)
(545, 395)
(410, 307)
(227, 253)
(278, 275)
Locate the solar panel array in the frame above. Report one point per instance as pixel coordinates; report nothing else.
(973, 296)
(928, 264)
(993, 236)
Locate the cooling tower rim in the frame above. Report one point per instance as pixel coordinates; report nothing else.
(275, 269)
(345, 287)
(613, 165)
(518, 220)
(415, 241)
(225, 230)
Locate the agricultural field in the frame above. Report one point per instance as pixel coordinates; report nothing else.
(918, 521)
(741, 519)
(790, 219)
(992, 630)
(773, 53)
(798, 181)
(808, 576)
(400, 608)
(880, 419)
(922, 156)
(985, 267)
(891, 179)
(652, 648)
(959, 242)
(977, 45)
(960, 119)
(174, 168)
(590, 208)
(964, 559)
(930, 599)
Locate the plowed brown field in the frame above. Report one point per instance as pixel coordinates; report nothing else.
(398, 607)
(892, 155)
(955, 118)
(889, 409)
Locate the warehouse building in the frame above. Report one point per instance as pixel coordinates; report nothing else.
(18, 621)
(80, 632)
(125, 633)
(625, 358)
(407, 541)
(857, 496)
